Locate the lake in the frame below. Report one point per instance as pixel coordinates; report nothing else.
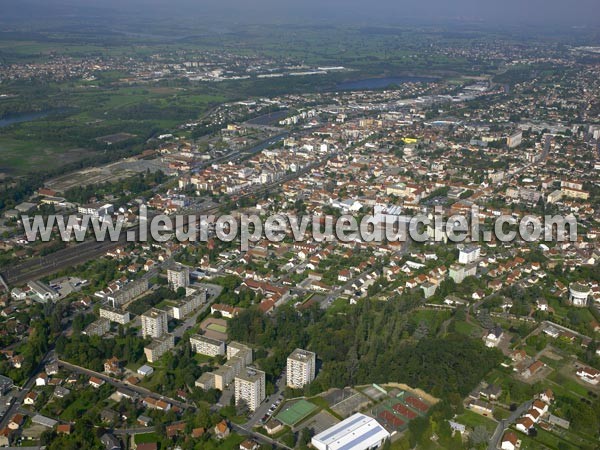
(381, 83)
(27, 117)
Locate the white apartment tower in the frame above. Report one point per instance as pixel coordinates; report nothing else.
(155, 323)
(250, 388)
(301, 366)
(178, 276)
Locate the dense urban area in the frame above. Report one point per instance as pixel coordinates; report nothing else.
(295, 344)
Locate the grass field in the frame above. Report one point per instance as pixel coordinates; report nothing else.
(472, 420)
(83, 114)
(217, 327)
(20, 156)
(145, 438)
(295, 413)
(468, 329)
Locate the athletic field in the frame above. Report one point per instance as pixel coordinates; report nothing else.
(295, 413)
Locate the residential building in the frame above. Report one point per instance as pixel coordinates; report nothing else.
(128, 292)
(241, 351)
(115, 315)
(301, 366)
(481, 407)
(97, 328)
(178, 276)
(459, 272)
(589, 375)
(159, 347)
(207, 346)
(96, 382)
(112, 366)
(510, 441)
(250, 388)
(110, 442)
(515, 139)
(524, 424)
(492, 339)
(468, 255)
(180, 309)
(155, 323)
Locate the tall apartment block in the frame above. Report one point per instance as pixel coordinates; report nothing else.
(250, 388)
(155, 323)
(301, 366)
(178, 276)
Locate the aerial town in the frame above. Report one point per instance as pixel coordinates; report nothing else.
(315, 343)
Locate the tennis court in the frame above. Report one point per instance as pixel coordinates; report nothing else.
(350, 405)
(217, 327)
(395, 414)
(417, 404)
(295, 413)
(404, 411)
(390, 420)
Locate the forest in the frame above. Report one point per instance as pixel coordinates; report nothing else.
(373, 342)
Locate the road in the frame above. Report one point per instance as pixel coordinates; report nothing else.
(122, 385)
(18, 399)
(130, 431)
(261, 438)
(505, 423)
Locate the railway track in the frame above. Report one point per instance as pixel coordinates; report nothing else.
(80, 253)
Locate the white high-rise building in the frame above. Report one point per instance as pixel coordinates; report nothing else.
(515, 139)
(469, 255)
(301, 366)
(155, 323)
(178, 277)
(250, 388)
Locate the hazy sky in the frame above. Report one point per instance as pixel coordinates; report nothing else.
(380, 11)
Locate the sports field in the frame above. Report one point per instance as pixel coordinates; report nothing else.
(296, 412)
(217, 327)
(395, 414)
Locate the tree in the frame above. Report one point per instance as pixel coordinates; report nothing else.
(480, 435)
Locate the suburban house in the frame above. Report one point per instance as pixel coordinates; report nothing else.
(524, 424)
(221, 430)
(589, 375)
(510, 441)
(96, 382)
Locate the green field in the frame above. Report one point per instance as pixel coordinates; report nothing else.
(79, 114)
(472, 420)
(145, 438)
(295, 413)
(217, 327)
